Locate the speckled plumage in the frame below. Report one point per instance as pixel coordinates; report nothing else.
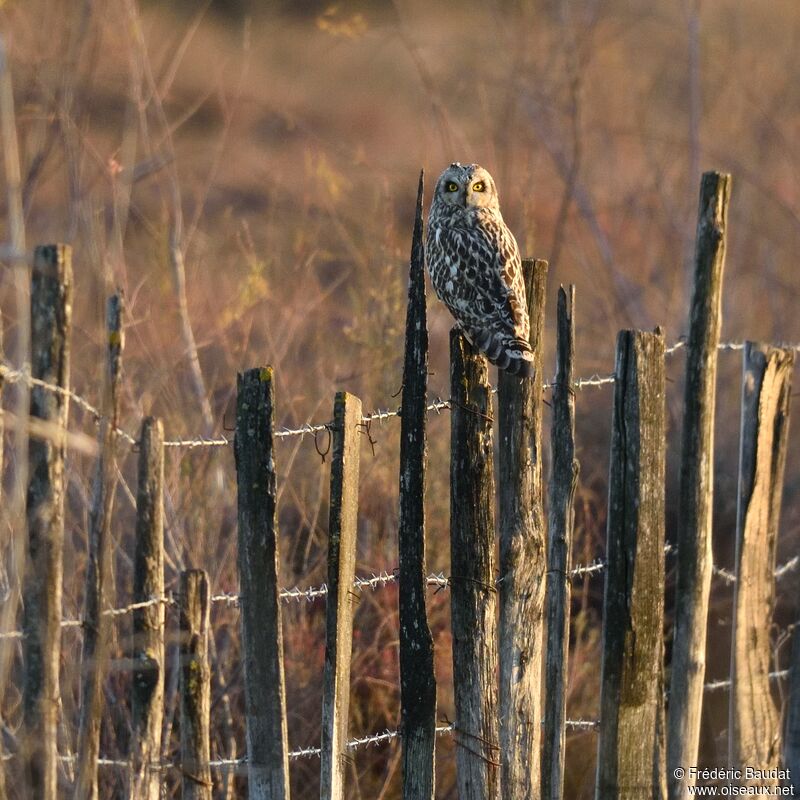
(475, 267)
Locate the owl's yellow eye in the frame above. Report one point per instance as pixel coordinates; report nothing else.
(452, 187)
(480, 186)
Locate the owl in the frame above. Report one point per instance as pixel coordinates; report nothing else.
(475, 267)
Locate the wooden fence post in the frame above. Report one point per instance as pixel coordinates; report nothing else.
(96, 625)
(523, 559)
(51, 312)
(417, 678)
(147, 690)
(630, 761)
(563, 481)
(195, 682)
(262, 633)
(754, 730)
(473, 600)
(697, 486)
(342, 532)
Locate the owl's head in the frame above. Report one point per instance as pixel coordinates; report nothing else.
(467, 186)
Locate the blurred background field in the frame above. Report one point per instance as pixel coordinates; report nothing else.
(268, 154)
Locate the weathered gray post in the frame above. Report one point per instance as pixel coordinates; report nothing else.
(697, 486)
(417, 678)
(51, 314)
(342, 535)
(473, 594)
(195, 686)
(523, 560)
(147, 690)
(630, 760)
(262, 633)
(754, 726)
(563, 481)
(96, 625)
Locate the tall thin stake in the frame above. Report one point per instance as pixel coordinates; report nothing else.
(147, 690)
(561, 493)
(417, 678)
(754, 726)
(473, 597)
(342, 534)
(195, 682)
(697, 486)
(523, 560)
(262, 633)
(51, 311)
(96, 625)
(630, 760)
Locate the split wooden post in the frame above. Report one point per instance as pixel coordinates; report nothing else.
(473, 596)
(342, 537)
(523, 558)
(51, 313)
(417, 678)
(96, 624)
(147, 651)
(630, 761)
(754, 724)
(561, 491)
(697, 486)
(195, 686)
(262, 633)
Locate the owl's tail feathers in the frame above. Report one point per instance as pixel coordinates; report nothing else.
(512, 355)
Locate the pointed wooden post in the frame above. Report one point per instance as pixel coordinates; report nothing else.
(417, 678)
(630, 760)
(697, 486)
(342, 536)
(96, 625)
(473, 596)
(754, 726)
(262, 632)
(523, 559)
(563, 481)
(51, 314)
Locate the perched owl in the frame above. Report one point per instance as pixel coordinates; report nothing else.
(475, 267)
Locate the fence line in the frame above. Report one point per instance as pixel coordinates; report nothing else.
(376, 581)
(12, 375)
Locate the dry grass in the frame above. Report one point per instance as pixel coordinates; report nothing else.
(278, 156)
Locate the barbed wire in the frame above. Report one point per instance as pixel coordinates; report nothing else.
(370, 740)
(377, 580)
(714, 686)
(13, 375)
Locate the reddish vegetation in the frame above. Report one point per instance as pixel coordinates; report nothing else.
(288, 148)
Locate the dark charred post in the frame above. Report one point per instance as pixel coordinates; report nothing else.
(754, 725)
(147, 690)
(561, 493)
(473, 595)
(96, 624)
(195, 686)
(51, 313)
(630, 761)
(523, 563)
(417, 678)
(262, 633)
(697, 485)
(342, 532)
